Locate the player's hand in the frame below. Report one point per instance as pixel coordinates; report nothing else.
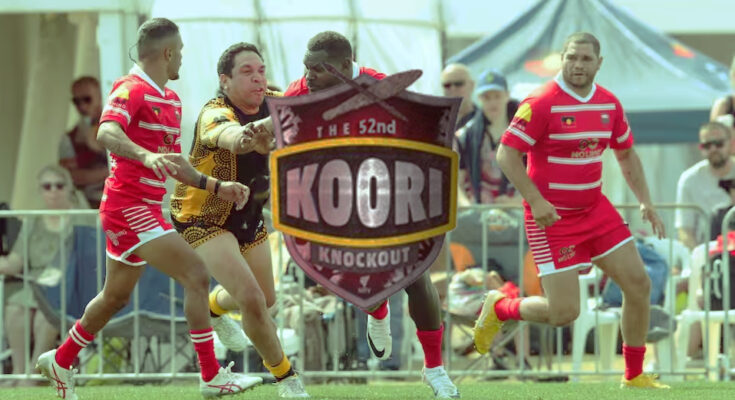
(648, 213)
(263, 139)
(244, 141)
(235, 192)
(164, 165)
(544, 213)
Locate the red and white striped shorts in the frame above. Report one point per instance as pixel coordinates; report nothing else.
(129, 227)
(577, 239)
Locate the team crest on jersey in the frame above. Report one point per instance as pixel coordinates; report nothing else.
(364, 183)
(568, 121)
(567, 253)
(169, 139)
(178, 115)
(156, 110)
(605, 118)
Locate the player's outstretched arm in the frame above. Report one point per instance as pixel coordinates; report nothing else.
(237, 139)
(185, 173)
(632, 168)
(255, 136)
(511, 162)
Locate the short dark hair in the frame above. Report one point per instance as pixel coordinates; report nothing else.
(715, 125)
(227, 59)
(151, 32)
(334, 43)
(582, 38)
(85, 80)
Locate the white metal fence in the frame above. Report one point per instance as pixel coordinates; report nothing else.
(177, 343)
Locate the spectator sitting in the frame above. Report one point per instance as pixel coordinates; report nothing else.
(480, 177)
(43, 249)
(457, 82)
(78, 150)
(699, 183)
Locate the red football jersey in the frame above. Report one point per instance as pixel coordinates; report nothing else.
(298, 87)
(564, 136)
(151, 118)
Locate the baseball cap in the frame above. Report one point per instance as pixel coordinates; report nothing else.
(491, 79)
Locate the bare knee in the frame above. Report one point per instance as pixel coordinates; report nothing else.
(637, 286)
(563, 316)
(252, 303)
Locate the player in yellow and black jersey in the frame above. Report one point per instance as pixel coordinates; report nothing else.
(230, 145)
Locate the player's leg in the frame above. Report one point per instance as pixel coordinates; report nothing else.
(241, 292)
(56, 364)
(558, 278)
(425, 310)
(623, 265)
(258, 258)
(173, 256)
(247, 287)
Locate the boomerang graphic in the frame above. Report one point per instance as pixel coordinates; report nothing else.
(374, 94)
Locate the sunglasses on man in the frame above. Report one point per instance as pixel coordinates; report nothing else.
(81, 100)
(47, 186)
(457, 84)
(712, 143)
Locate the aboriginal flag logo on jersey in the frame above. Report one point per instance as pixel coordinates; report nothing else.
(567, 121)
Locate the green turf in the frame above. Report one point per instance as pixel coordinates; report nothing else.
(401, 391)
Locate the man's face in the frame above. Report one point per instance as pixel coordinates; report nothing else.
(248, 83)
(457, 83)
(318, 78)
(715, 146)
(87, 99)
(579, 65)
(174, 64)
(494, 103)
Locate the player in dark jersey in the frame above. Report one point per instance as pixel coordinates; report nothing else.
(234, 243)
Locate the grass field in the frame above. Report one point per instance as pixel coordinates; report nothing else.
(401, 391)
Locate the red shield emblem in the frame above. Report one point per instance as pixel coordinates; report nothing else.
(364, 184)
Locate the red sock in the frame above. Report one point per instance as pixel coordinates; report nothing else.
(431, 342)
(381, 312)
(633, 357)
(507, 308)
(77, 340)
(204, 346)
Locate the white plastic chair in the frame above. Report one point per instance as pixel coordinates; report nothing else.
(693, 314)
(608, 322)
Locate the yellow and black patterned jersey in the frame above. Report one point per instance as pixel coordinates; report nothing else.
(191, 206)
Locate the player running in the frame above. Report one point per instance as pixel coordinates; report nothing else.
(564, 127)
(140, 126)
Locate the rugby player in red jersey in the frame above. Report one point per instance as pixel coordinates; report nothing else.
(564, 127)
(140, 126)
